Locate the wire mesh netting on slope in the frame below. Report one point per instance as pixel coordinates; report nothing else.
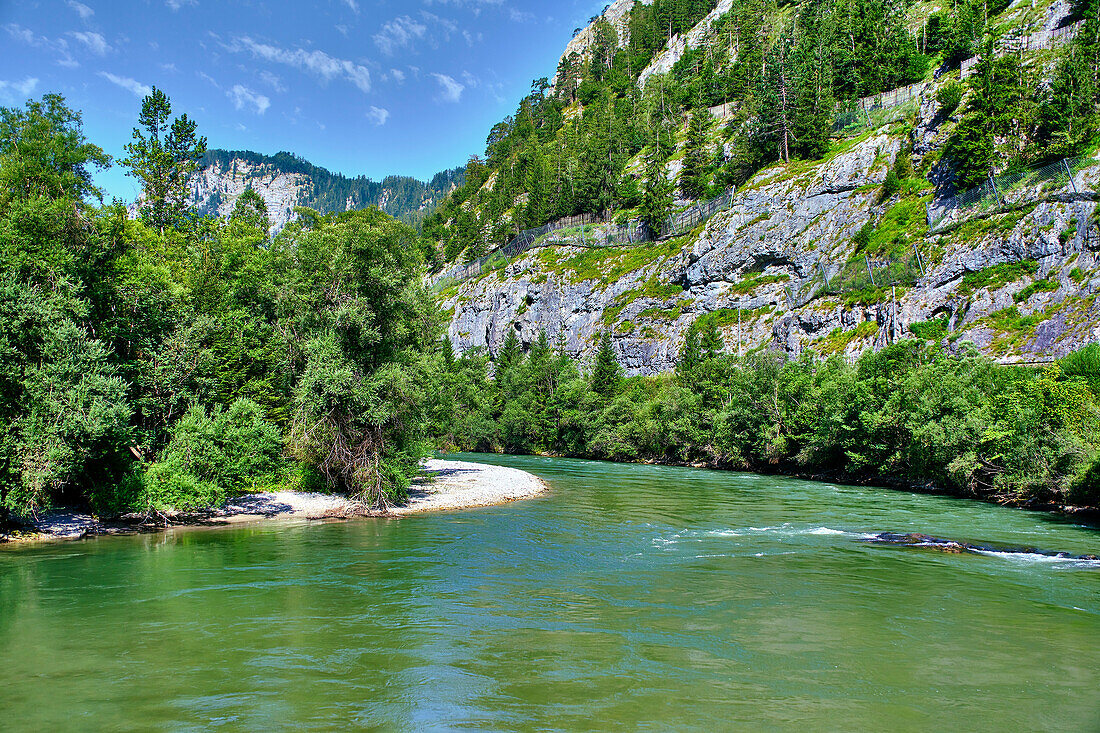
(1011, 190)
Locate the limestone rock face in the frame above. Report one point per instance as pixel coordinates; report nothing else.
(618, 15)
(217, 188)
(679, 44)
(778, 268)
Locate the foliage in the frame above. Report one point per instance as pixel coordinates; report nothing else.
(911, 413)
(163, 155)
(949, 97)
(148, 368)
(578, 147)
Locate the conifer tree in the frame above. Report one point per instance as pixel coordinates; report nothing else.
(163, 155)
(711, 344)
(693, 176)
(657, 195)
(606, 373)
(690, 354)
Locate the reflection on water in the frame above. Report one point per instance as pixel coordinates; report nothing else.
(631, 596)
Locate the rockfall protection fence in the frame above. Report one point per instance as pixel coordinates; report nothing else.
(691, 217)
(877, 109)
(1009, 191)
(570, 231)
(865, 278)
(1022, 44)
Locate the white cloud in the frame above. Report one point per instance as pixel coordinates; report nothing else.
(95, 42)
(342, 30)
(315, 62)
(451, 89)
(134, 87)
(399, 33)
(242, 97)
(273, 81)
(59, 46)
(408, 32)
(177, 4)
(398, 75)
(520, 16)
(81, 9)
(377, 115)
(353, 5)
(17, 90)
(209, 79)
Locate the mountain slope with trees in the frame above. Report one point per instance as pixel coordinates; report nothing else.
(285, 181)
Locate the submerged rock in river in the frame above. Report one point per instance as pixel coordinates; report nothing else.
(914, 539)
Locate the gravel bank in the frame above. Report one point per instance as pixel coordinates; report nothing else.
(446, 486)
(460, 485)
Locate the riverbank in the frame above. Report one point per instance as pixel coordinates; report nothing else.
(443, 486)
(1076, 513)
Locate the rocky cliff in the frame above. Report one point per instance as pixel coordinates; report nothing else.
(818, 256)
(285, 181)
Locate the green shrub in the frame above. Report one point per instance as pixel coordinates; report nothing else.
(1084, 364)
(209, 455)
(863, 237)
(169, 487)
(998, 276)
(931, 330)
(890, 186)
(949, 97)
(1039, 286)
(1068, 233)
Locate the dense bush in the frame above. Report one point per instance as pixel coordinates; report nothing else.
(911, 413)
(155, 368)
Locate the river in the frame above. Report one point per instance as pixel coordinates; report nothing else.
(629, 597)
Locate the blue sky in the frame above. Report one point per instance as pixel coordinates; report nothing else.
(368, 87)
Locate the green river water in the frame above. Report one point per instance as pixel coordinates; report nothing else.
(628, 598)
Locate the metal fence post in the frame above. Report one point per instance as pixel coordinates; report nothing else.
(824, 275)
(920, 262)
(870, 271)
(997, 193)
(1069, 173)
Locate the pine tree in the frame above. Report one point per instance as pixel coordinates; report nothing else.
(690, 354)
(510, 352)
(606, 373)
(776, 102)
(538, 187)
(657, 195)
(163, 155)
(693, 181)
(710, 339)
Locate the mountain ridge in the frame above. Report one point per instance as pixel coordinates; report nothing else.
(286, 181)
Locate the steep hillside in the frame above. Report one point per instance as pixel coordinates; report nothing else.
(857, 217)
(285, 181)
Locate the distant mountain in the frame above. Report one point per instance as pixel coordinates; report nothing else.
(285, 180)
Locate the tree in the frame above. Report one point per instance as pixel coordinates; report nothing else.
(711, 343)
(777, 97)
(43, 153)
(657, 195)
(368, 325)
(606, 373)
(251, 210)
(693, 177)
(163, 155)
(46, 166)
(690, 354)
